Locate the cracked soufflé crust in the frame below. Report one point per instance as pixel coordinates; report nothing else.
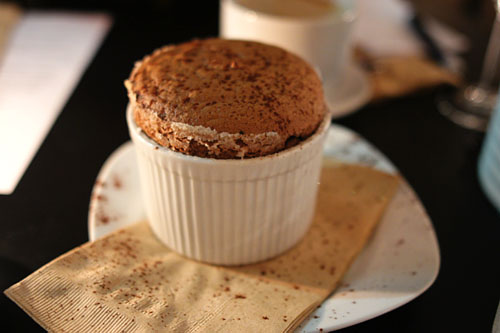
(225, 99)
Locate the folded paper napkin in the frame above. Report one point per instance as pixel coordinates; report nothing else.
(10, 14)
(128, 281)
(396, 76)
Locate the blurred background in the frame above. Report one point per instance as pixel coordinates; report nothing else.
(428, 49)
(473, 18)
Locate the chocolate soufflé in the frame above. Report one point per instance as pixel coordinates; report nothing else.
(225, 99)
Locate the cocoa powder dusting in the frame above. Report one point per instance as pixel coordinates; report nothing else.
(99, 183)
(98, 197)
(117, 182)
(102, 218)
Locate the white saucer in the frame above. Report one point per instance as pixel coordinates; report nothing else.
(400, 261)
(350, 94)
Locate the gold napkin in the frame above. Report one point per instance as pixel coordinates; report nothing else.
(9, 16)
(128, 281)
(401, 75)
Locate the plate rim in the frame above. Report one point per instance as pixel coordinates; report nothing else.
(107, 166)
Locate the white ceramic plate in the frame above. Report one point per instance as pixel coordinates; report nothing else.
(350, 94)
(399, 262)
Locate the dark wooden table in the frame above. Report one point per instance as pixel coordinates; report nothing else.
(47, 214)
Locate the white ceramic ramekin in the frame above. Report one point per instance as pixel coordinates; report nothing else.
(229, 212)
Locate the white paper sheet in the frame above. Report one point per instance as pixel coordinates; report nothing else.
(46, 56)
(382, 28)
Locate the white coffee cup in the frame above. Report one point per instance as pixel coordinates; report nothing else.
(322, 39)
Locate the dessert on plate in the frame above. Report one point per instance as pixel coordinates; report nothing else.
(229, 138)
(225, 99)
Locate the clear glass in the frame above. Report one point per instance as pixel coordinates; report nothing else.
(471, 105)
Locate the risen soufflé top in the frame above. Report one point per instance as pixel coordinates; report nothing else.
(225, 99)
